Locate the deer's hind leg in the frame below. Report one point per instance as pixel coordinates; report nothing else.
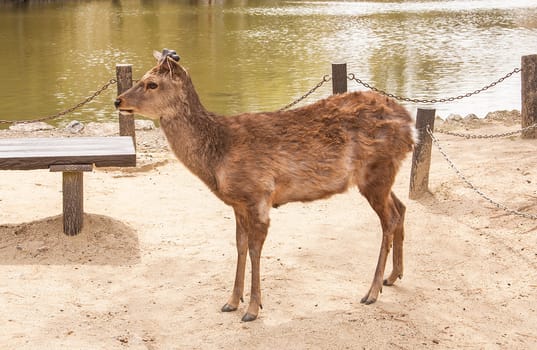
(398, 239)
(375, 185)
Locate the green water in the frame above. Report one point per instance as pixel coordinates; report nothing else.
(261, 55)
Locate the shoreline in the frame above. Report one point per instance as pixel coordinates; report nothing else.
(74, 128)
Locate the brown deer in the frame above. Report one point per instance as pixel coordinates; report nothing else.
(255, 161)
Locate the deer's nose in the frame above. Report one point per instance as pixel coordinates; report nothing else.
(117, 102)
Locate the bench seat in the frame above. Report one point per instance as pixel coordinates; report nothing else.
(41, 153)
(71, 156)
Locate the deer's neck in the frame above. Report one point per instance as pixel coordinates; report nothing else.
(197, 137)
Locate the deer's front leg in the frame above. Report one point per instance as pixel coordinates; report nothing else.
(255, 243)
(242, 249)
(376, 286)
(389, 220)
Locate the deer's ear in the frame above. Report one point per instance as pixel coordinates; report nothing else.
(157, 55)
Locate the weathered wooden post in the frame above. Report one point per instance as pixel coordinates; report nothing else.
(339, 78)
(421, 158)
(73, 195)
(124, 82)
(529, 95)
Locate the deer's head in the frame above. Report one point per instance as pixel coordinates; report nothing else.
(161, 91)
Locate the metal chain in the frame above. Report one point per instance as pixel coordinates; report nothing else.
(472, 186)
(351, 76)
(491, 136)
(62, 113)
(326, 78)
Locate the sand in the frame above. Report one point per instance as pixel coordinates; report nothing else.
(156, 259)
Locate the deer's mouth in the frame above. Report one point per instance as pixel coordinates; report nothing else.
(125, 111)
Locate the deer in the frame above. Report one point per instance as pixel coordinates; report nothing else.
(257, 161)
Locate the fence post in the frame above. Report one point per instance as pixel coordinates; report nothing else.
(529, 95)
(124, 82)
(339, 78)
(421, 158)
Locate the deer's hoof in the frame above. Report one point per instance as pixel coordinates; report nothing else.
(386, 282)
(248, 317)
(367, 300)
(392, 278)
(228, 308)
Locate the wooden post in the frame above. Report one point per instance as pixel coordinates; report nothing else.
(339, 78)
(73, 202)
(73, 196)
(529, 95)
(124, 82)
(421, 158)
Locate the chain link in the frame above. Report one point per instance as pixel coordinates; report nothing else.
(351, 76)
(491, 136)
(472, 186)
(326, 79)
(67, 111)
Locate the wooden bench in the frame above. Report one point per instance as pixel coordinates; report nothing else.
(71, 156)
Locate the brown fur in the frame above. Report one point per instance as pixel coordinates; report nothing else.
(255, 161)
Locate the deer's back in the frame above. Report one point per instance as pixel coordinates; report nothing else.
(314, 151)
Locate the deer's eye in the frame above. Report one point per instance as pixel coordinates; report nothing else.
(152, 85)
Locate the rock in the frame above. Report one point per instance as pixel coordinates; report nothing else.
(74, 127)
(37, 126)
(42, 249)
(454, 118)
(471, 117)
(143, 124)
(513, 115)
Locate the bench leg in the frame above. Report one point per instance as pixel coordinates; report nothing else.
(73, 202)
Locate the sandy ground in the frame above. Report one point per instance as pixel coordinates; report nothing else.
(156, 259)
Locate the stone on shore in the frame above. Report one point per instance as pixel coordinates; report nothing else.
(30, 127)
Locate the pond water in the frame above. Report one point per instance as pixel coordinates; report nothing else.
(261, 55)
